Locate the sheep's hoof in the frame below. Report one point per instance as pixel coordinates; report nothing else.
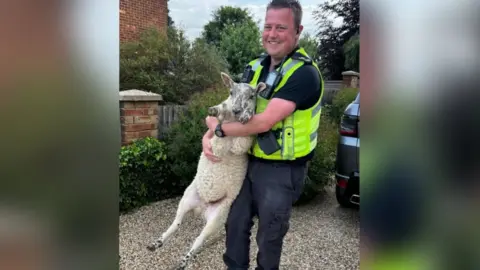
(154, 246)
(151, 247)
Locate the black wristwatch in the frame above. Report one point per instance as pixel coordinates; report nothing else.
(219, 131)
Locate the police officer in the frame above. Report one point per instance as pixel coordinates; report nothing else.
(286, 120)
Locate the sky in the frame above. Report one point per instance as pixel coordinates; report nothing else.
(193, 15)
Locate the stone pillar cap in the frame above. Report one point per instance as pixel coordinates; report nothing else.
(139, 95)
(351, 73)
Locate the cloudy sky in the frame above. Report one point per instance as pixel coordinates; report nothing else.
(193, 15)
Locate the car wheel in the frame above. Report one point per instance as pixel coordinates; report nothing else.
(343, 200)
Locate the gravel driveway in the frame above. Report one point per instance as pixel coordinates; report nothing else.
(322, 236)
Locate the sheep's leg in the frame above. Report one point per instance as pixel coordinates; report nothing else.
(216, 216)
(189, 201)
(241, 145)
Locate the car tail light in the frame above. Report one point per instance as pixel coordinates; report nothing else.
(349, 126)
(342, 182)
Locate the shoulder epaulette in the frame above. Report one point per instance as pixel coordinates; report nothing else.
(301, 57)
(263, 55)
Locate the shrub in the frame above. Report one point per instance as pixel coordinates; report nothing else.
(340, 102)
(143, 173)
(322, 165)
(169, 65)
(184, 137)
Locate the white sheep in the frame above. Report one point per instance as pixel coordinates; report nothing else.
(217, 184)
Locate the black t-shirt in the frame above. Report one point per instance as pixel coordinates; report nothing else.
(303, 88)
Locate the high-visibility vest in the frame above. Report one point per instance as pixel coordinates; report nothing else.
(296, 134)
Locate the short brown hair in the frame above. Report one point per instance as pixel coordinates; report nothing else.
(294, 5)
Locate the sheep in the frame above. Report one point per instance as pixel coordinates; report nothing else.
(217, 184)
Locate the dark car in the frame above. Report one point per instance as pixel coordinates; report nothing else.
(347, 165)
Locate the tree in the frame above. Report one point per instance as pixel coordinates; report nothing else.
(222, 17)
(239, 45)
(310, 45)
(332, 39)
(352, 53)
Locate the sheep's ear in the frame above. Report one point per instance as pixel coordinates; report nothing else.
(227, 80)
(260, 87)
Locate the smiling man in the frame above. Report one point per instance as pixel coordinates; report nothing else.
(286, 121)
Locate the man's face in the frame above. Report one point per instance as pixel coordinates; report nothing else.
(279, 33)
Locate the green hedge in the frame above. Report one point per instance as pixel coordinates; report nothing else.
(143, 173)
(340, 102)
(322, 166)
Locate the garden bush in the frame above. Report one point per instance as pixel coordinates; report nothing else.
(322, 166)
(169, 65)
(143, 172)
(342, 98)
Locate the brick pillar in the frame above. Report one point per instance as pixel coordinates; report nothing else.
(138, 115)
(351, 79)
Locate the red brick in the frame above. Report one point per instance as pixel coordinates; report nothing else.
(127, 104)
(129, 135)
(139, 127)
(146, 104)
(146, 133)
(126, 119)
(149, 119)
(133, 112)
(153, 111)
(138, 15)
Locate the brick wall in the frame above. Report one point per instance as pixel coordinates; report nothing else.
(138, 115)
(137, 15)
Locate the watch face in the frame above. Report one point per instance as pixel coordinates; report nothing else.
(218, 133)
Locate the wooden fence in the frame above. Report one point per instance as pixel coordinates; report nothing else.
(331, 88)
(167, 115)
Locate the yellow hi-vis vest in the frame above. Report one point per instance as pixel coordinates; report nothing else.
(297, 134)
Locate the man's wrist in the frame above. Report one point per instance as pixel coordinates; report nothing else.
(219, 131)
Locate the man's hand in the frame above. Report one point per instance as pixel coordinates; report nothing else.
(211, 122)
(207, 147)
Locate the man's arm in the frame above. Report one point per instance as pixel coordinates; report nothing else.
(277, 110)
(209, 134)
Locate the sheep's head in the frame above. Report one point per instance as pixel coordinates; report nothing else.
(240, 104)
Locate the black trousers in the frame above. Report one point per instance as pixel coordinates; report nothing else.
(268, 191)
